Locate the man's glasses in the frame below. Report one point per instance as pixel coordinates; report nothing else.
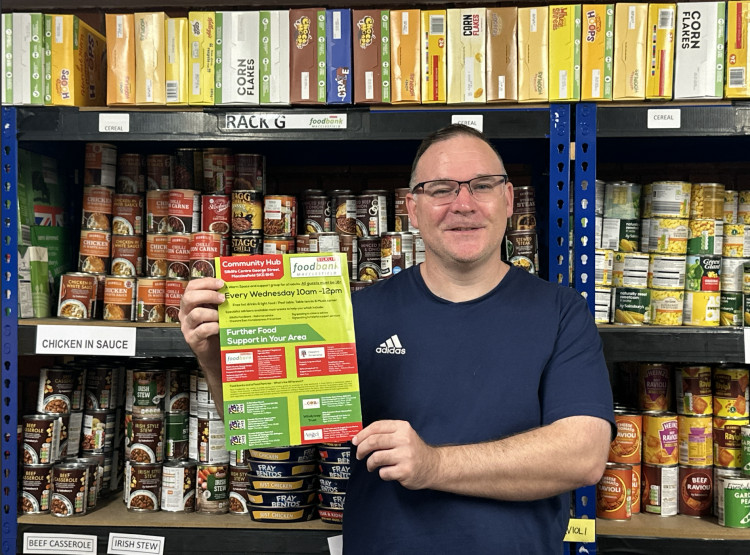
(444, 191)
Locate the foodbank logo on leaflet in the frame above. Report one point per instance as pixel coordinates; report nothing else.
(315, 266)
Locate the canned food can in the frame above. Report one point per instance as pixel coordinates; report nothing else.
(670, 199)
(614, 492)
(654, 387)
(127, 255)
(93, 474)
(76, 296)
(119, 299)
(627, 445)
(631, 306)
(97, 208)
(705, 237)
(184, 211)
(157, 211)
(178, 255)
(720, 473)
(696, 490)
(177, 435)
(178, 390)
(731, 392)
(391, 254)
(247, 244)
(280, 216)
(522, 222)
(131, 173)
(148, 392)
(695, 435)
(188, 168)
(102, 386)
(736, 241)
(630, 269)
(316, 216)
(178, 482)
(218, 170)
(98, 430)
(348, 244)
(635, 498)
(159, 171)
(150, 299)
(127, 214)
(730, 309)
(156, 255)
(368, 268)
(707, 201)
(401, 213)
(69, 489)
(660, 438)
(371, 214)
(239, 485)
(100, 164)
(660, 489)
(216, 211)
(211, 441)
(279, 245)
(247, 213)
(731, 204)
(666, 307)
(521, 250)
(142, 486)
(70, 433)
(41, 438)
(743, 207)
(666, 271)
(668, 236)
(204, 248)
(602, 305)
(701, 308)
(647, 201)
(60, 390)
(734, 502)
(693, 390)
(36, 484)
(174, 288)
(326, 241)
(604, 267)
(732, 274)
(745, 450)
(344, 213)
(146, 439)
(728, 441)
(212, 489)
(250, 172)
(94, 251)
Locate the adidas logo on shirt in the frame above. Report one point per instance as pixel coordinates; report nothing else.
(391, 346)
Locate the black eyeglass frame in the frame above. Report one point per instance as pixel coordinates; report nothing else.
(467, 183)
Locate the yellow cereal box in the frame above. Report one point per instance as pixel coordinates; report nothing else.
(466, 55)
(502, 54)
(565, 52)
(406, 54)
(533, 54)
(78, 63)
(631, 23)
(433, 56)
(201, 51)
(176, 62)
(661, 50)
(597, 47)
(120, 59)
(150, 58)
(738, 54)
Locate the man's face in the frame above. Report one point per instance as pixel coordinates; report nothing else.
(466, 230)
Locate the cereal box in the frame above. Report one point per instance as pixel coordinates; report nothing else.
(120, 59)
(433, 56)
(533, 54)
(150, 58)
(47, 55)
(176, 75)
(565, 52)
(699, 50)
(502, 54)
(406, 53)
(597, 46)
(274, 57)
(7, 89)
(339, 56)
(202, 57)
(737, 83)
(660, 51)
(28, 69)
(371, 51)
(237, 58)
(631, 23)
(307, 56)
(466, 55)
(78, 63)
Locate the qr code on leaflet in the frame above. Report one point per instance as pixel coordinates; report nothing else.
(236, 424)
(237, 440)
(236, 408)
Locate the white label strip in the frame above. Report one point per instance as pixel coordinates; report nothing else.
(114, 123)
(60, 544)
(475, 121)
(130, 544)
(664, 119)
(85, 340)
(746, 333)
(267, 121)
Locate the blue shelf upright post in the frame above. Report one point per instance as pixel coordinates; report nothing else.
(9, 370)
(559, 191)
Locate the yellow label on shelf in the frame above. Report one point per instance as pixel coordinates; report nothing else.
(581, 530)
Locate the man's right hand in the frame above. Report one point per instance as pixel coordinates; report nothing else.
(199, 319)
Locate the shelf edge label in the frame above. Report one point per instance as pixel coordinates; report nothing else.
(85, 340)
(114, 123)
(581, 530)
(132, 544)
(475, 121)
(277, 121)
(67, 544)
(664, 118)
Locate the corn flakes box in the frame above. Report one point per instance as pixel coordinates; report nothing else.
(661, 29)
(176, 63)
(274, 57)
(565, 52)
(120, 59)
(406, 53)
(631, 39)
(737, 83)
(502, 54)
(597, 50)
(78, 64)
(371, 53)
(467, 62)
(433, 60)
(699, 50)
(533, 54)
(202, 57)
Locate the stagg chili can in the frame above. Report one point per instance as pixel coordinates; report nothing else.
(159, 171)
(142, 486)
(157, 211)
(316, 214)
(178, 482)
(660, 489)
(156, 254)
(147, 439)
(693, 390)
(218, 170)
(216, 211)
(69, 489)
(184, 211)
(119, 299)
(696, 490)
(728, 441)
(100, 164)
(149, 303)
(41, 438)
(97, 208)
(368, 267)
(247, 213)
(204, 248)
(94, 251)
(247, 244)
(614, 491)
(127, 214)
(731, 392)
(695, 437)
(212, 488)
(654, 391)
(131, 173)
(76, 296)
(626, 447)
(280, 216)
(173, 290)
(60, 390)
(660, 438)
(250, 172)
(127, 255)
(36, 487)
(178, 255)
(279, 245)
(188, 168)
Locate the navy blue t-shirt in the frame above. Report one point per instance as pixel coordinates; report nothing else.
(522, 356)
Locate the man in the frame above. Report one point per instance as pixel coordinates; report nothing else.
(497, 402)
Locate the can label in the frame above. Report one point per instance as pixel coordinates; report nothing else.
(630, 270)
(69, 489)
(178, 255)
(626, 447)
(239, 483)
(150, 300)
(621, 234)
(670, 198)
(702, 273)
(159, 171)
(693, 390)
(731, 205)
(344, 218)
(371, 215)
(666, 307)
(602, 305)
(631, 306)
(250, 170)
(317, 217)
(660, 445)
(127, 255)
(204, 248)
(660, 489)
(707, 201)
(668, 235)
(41, 439)
(696, 440)
(184, 211)
(173, 291)
(731, 392)
(666, 271)
(280, 216)
(696, 491)
(97, 208)
(156, 254)
(701, 308)
(127, 214)
(732, 274)
(142, 485)
(94, 252)
(36, 484)
(730, 309)
(705, 237)
(216, 211)
(614, 492)
(147, 440)
(157, 211)
(213, 483)
(119, 299)
(131, 173)
(736, 241)
(391, 254)
(521, 250)
(178, 486)
(728, 441)
(102, 387)
(369, 259)
(654, 392)
(745, 446)
(176, 435)
(77, 296)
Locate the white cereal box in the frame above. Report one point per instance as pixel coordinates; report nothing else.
(467, 63)
(237, 57)
(699, 50)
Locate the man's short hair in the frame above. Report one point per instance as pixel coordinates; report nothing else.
(448, 132)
